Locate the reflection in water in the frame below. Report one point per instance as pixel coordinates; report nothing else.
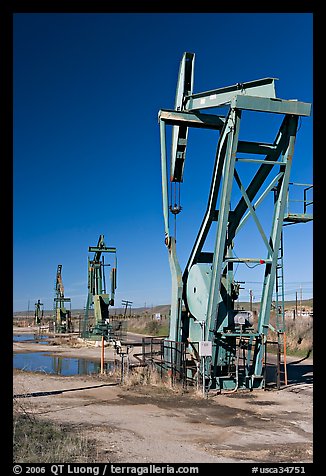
(42, 362)
(43, 339)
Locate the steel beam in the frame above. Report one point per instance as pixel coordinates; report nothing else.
(180, 133)
(275, 240)
(224, 208)
(191, 119)
(274, 105)
(164, 176)
(220, 97)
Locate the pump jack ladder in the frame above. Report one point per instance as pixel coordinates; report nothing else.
(205, 292)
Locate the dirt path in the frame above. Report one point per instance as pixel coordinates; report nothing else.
(157, 424)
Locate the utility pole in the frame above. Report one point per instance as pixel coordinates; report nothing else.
(300, 300)
(126, 304)
(250, 294)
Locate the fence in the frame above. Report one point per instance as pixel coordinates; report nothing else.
(168, 357)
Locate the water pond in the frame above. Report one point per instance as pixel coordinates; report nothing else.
(53, 364)
(38, 338)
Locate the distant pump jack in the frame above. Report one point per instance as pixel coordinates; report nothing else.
(97, 297)
(62, 316)
(39, 313)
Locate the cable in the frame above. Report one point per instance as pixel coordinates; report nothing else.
(251, 267)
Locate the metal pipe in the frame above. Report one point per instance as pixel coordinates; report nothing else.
(102, 356)
(278, 367)
(284, 360)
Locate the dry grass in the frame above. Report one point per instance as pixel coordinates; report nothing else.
(148, 376)
(299, 335)
(39, 441)
(132, 376)
(71, 341)
(36, 440)
(143, 376)
(147, 325)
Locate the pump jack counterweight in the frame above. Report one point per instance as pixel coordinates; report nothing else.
(206, 291)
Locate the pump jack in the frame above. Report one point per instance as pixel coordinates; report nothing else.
(62, 315)
(97, 295)
(39, 313)
(206, 290)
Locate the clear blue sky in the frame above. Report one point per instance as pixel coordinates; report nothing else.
(87, 92)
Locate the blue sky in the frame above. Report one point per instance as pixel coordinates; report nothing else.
(87, 91)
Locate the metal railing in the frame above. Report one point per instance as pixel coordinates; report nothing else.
(299, 209)
(167, 356)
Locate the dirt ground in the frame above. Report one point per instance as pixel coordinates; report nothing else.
(159, 424)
